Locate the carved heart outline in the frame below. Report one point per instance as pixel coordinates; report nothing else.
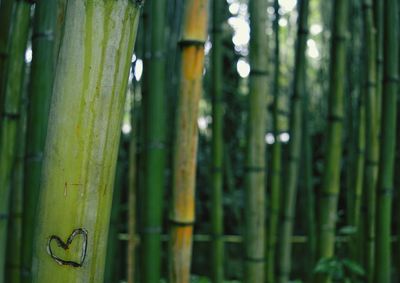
(65, 246)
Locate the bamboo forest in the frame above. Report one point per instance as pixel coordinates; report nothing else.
(199, 141)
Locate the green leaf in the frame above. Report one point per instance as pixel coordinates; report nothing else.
(353, 267)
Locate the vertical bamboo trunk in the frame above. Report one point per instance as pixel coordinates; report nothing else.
(217, 145)
(13, 88)
(276, 161)
(254, 205)
(82, 140)
(132, 189)
(372, 143)
(185, 145)
(308, 189)
(154, 181)
(387, 145)
(355, 125)
(7, 8)
(14, 240)
(113, 257)
(378, 23)
(294, 151)
(44, 38)
(331, 178)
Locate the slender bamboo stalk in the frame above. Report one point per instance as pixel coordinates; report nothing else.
(331, 178)
(308, 189)
(387, 145)
(294, 151)
(276, 160)
(82, 140)
(372, 143)
(185, 145)
(113, 257)
(132, 193)
(44, 51)
(14, 241)
(217, 224)
(155, 148)
(14, 80)
(378, 23)
(7, 8)
(254, 203)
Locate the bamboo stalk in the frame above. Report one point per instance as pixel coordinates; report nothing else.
(155, 147)
(14, 240)
(82, 140)
(185, 145)
(44, 51)
(387, 145)
(113, 256)
(331, 178)
(372, 142)
(13, 88)
(7, 8)
(276, 161)
(294, 151)
(217, 214)
(254, 202)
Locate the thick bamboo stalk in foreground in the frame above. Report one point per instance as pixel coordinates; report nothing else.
(294, 151)
(182, 212)
(331, 178)
(10, 112)
(217, 215)
(82, 140)
(371, 138)
(388, 141)
(154, 146)
(40, 88)
(254, 202)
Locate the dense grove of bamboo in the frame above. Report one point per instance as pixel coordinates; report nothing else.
(152, 166)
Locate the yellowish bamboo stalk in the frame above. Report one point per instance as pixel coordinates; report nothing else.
(182, 214)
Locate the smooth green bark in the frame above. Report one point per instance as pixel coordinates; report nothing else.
(331, 176)
(387, 145)
(154, 147)
(254, 203)
(82, 140)
(294, 151)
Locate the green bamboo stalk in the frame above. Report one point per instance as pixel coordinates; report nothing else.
(308, 189)
(11, 115)
(132, 192)
(372, 143)
(387, 145)
(378, 23)
(82, 140)
(294, 151)
(276, 160)
(44, 50)
(182, 215)
(331, 178)
(7, 8)
(14, 241)
(254, 203)
(217, 215)
(155, 148)
(113, 257)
